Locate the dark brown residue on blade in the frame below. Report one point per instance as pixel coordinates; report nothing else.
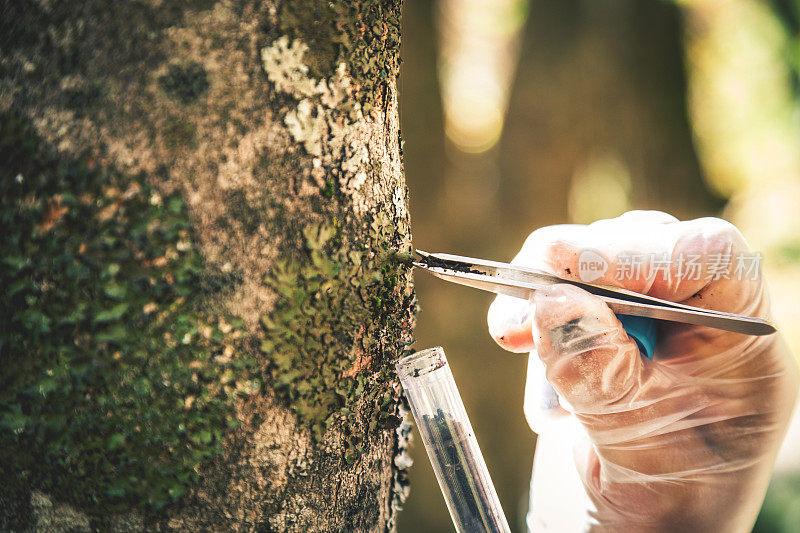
(435, 262)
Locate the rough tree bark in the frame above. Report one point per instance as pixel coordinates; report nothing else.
(204, 283)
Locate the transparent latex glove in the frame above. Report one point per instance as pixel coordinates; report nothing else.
(685, 442)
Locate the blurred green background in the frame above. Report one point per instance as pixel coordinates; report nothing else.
(519, 114)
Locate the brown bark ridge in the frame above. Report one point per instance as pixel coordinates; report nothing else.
(277, 126)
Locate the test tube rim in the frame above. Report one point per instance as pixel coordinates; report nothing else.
(421, 362)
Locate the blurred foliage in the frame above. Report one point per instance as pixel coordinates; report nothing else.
(781, 510)
(743, 102)
(115, 384)
(788, 13)
(769, 212)
(477, 52)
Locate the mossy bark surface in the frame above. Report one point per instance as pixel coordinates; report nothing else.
(238, 164)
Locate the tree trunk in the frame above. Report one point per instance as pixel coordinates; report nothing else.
(204, 272)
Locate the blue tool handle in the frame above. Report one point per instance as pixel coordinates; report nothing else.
(643, 330)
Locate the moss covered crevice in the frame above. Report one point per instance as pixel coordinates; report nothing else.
(117, 382)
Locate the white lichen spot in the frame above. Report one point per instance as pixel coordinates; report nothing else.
(335, 137)
(351, 184)
(283, 62)
(399, 202)
(403, 461)
(318, 172)
(285, 67)
(307, 125)
(336, 91)
(353, 166)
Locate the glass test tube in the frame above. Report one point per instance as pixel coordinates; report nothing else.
(450, 442)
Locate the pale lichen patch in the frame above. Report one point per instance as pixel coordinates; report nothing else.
(325, 131)
(63, 129)
(336, 91)
(306, 124)
(283, 62)
(51, 517)
(354, 175)
(399, 201)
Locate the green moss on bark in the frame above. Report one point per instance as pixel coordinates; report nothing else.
(116, 383)
(343, 314)
(179, 133)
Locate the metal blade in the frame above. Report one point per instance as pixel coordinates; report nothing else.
(521, 282)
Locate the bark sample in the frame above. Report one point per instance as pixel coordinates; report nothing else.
(205, 223)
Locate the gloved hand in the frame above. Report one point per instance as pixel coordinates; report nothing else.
(685, 442)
